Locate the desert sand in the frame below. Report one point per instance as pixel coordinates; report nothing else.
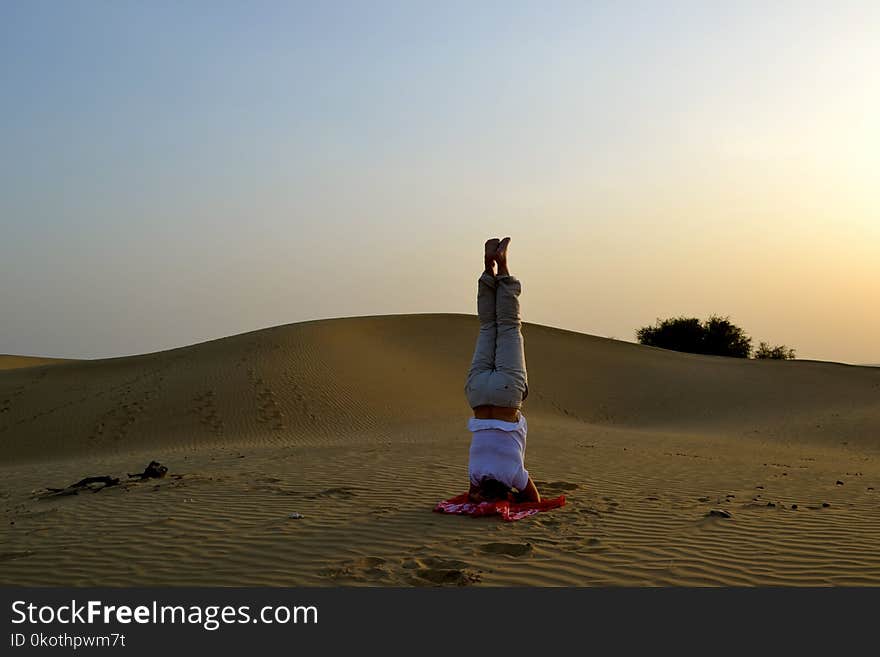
(9, 362)
(359, 425)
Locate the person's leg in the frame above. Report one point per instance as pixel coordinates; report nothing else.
(483, 362)
(510, 359)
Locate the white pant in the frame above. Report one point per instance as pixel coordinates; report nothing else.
(497, 376)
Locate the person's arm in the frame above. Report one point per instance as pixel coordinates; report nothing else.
(474, 494)
(529, 493)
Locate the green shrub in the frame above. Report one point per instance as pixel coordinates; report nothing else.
(717, 336)
(779, 352)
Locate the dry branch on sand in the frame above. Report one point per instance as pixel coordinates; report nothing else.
(154, 470)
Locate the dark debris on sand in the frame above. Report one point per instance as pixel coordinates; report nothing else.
(154, 470)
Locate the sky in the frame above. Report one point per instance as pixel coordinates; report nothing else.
(176, 172)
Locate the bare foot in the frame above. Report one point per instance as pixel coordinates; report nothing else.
(491, 248)
(501, 256)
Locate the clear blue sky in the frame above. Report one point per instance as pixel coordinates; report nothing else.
(174, 172)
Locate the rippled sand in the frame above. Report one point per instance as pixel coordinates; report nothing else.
(360, 426)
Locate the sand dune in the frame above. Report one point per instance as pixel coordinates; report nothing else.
(8, 362)
(359, 425)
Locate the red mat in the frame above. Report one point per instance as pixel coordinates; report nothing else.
(507, 510)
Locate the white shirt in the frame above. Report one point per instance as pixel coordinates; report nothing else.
(498, 450)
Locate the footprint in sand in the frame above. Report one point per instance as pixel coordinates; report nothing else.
(554, 488)
(18, 391)
(511, 549)
(364, 569)
(432, 571)
(268, 411)
(340, 493)
(422, 571)
(206, 408)
(126, 411)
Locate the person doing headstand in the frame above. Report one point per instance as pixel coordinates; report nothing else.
(496, 386)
